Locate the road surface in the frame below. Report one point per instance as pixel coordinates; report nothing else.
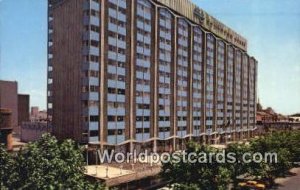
(289, 183)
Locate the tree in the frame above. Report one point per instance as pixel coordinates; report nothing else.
(279, 143)
(201, 174)
(7, 168)
(216, 175)
(49, 164)
(239, 167)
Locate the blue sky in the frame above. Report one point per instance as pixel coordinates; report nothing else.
(272, 28)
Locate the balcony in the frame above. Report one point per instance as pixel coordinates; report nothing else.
(90, 81)
(143, 112)
(181, 133)
(50, 86)
(141, 100)
(114, 125)
(91, 35)
(116, 98)
(116, 111)
(50, 99)
(95, 5)
(90, 111)
(116, 84)
(208, 131)
(182, 123)
(50, 74)
(87, 20)
(93, 139)
(164, 124)
(90, 50)
(91, 66)
(164, 135)
(145, 124)
(94, 96)
(92, 126)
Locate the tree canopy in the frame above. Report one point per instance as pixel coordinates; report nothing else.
(213, 175)
(45, 164)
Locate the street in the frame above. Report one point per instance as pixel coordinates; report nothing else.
(289, 183)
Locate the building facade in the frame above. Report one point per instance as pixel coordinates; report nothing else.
(23, 108)
(147, 74)
(6, 128)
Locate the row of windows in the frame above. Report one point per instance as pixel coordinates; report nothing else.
(117, 8)
(116, 49)
(117, 36)
(116, 91)
(91, 12)
(90, 88)
(92, 28)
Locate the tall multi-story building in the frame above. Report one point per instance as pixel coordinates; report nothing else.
(147, 74)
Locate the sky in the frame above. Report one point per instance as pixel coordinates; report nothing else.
(272, 28)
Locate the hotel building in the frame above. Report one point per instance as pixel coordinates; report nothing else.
(147, 74)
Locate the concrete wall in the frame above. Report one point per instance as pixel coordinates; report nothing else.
(32, 131)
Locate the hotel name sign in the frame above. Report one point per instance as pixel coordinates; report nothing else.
(198, 16)
(218, 28)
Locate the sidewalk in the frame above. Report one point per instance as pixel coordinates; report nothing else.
(289, 183)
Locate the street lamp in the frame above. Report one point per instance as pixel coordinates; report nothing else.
(87, 154)
(106, 172)
(121, 169)
(96, 170)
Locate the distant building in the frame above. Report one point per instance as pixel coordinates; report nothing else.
(9, 100)
(34, 111)
(295, 117)
(268, 115)
(38, 116)
(23, 108)
(264, 117)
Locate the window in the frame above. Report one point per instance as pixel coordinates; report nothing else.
(111, 118)
(94, 118)
(94, 133)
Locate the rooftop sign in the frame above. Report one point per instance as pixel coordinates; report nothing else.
(199, 16)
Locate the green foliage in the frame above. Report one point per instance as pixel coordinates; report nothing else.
(237, 168)
(213, 175)
(46, 164)
(7, 169)
(285, 144)
(199, 175)
(185, 187)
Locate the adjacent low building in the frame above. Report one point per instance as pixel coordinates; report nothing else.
(18, 104)
(147, 74)
(9, 100)
(6, 128)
